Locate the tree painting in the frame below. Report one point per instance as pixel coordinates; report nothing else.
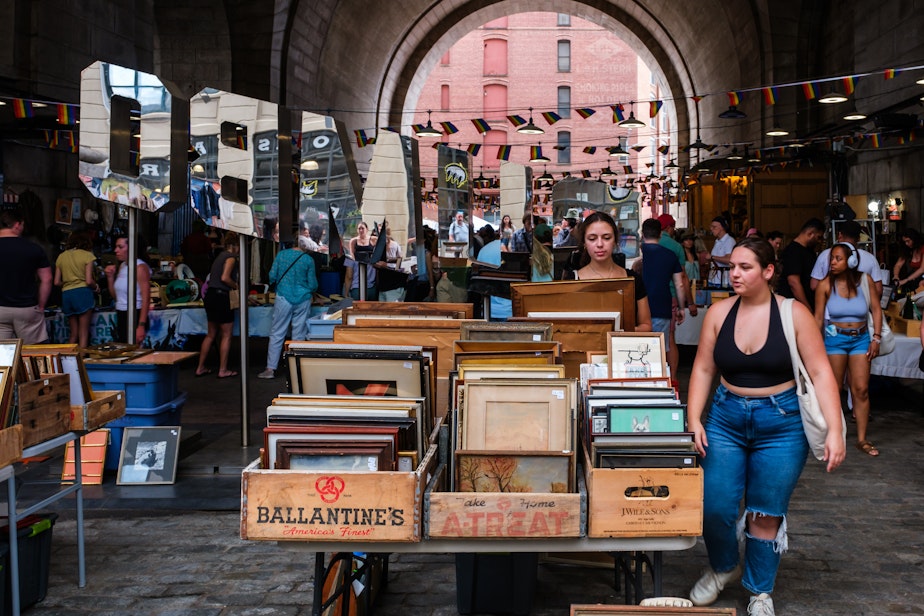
(512, 473)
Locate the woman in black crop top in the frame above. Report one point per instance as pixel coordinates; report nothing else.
(751, 443)
(597, 236)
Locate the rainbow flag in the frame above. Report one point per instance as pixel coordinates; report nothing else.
(874, 138)
(417, 127)
(51, 138)
(696, 98)
(585, 112)
(808, 89)
(473, 149)
(361, 139)
(503, 152)
(664, 149)
(890, 73)
(637, 147)
(73, 143)
(850, 84)
(516, 120)
(769, 95)
(734, 99)
(585, 173)
(551, 117)
(22, 108)
(654, 107)
(627, 169)
(618, 113)
(535, 151)
(449, 128)
(591, 149)
(481, 125)
(67, 114)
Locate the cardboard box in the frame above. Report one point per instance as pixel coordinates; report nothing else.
(367, 507)
(10, 445)
(659, 502)
(44, 408)
(105, 407)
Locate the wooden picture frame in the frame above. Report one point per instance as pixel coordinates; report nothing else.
(149, 455)
(465, 310)
(64, 209)
(613, 318)
(518, 415)
(506, 331)
(541, 472)
(620, 457)
(72, 365)
(636, 355)
(626, 418)
(635, 610)
(474, 372)
(334, 456)
(372, 375)
(662, 382)
(596, 357)
(609, 295)
(347, 435)
(408, 461)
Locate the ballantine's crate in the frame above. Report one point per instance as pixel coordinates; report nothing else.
(639, 502)
(44, 408)
(295, 505)
(505, 515)
(10, 445)
(106, 406)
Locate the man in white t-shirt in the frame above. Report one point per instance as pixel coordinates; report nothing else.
(849, 233)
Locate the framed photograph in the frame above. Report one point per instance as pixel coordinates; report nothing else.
(347, 435)
(149, 455)
(636, 355)
(63, 211)
(518, 415)
(503, 471)
(506, 331)
(335, 456)
(646, 419)
(10, 352)
(408, 461)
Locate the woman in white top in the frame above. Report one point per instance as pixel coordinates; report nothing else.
(721, 252)
(117, 277)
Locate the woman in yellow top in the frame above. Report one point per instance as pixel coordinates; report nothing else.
(75, 273)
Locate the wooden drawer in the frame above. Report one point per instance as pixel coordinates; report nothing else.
(44, 408)
(10, 445)
(105, 407)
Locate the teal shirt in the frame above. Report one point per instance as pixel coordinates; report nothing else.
(671, 244)
(300, 282)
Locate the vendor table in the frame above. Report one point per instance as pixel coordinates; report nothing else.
(15, 514)
(902, 362)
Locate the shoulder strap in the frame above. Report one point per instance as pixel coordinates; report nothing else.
(864, 284)
(291, 265)
(789, 331)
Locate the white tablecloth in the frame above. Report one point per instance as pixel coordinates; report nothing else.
(688, 331)
(902, 362)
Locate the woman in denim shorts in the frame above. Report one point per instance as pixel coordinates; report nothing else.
(848, 341)
(751, 443)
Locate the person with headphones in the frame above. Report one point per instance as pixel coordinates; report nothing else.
(848, 341)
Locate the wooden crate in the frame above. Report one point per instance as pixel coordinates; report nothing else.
(286, 505)
(105, 407)
(613, 513)
(10, 445)
(44, 408)
(495, 515)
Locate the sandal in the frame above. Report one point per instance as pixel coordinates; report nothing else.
(868, 448)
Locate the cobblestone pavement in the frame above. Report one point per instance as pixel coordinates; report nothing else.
(856, 541)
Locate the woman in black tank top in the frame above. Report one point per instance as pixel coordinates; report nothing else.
(751, 443)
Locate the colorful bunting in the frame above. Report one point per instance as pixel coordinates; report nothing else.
(22, 108)
(654, 107)
(503, 152)
(516, 120)
(392, 129)
(449, 128)
(585, 112)
(361, 139)
(637, 147)
(535, 151)
(770, 95)
(850, 84)
(664, 149)
(481, 125)
(473, 149)
(417, 127)
(618, 113)
(808, 89)
(585, 173)
(627, 169)
(67, 114)
(591, 149)
(874, 138)
(890, 73)
(695, 98)
(551, 117)
(733, 99)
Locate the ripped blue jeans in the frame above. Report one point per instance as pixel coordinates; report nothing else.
(757, 450)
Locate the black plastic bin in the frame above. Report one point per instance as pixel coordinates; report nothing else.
(34, 543)
(496, 583)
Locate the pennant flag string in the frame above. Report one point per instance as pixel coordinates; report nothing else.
(551, 117)
(654, 107)
(733, 99)
(481, 125)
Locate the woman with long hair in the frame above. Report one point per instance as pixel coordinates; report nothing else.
(506, 232)
(848, 341)
(117, 279)
(909, 268)
(223, 281)
(542, 264)
(597, 239)
(751, 443)
(75, 273)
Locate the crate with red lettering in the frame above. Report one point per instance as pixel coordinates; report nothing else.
(297, 505)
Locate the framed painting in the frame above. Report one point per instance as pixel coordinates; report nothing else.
(358, 376)
(524, 471)
(347, 435)
(149, 455)
(335, 456)
(624, 418)
(636, 355)
(64, 209)
(506, 331)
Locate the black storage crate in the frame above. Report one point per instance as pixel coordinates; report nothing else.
(496, 583)
(34, 543)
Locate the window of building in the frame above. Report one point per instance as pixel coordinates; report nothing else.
(495, 101)
(564, 147)
(564, 56)
(564, 101)
(444, 97)
(495, 57)
(444, 61)
(564, 19)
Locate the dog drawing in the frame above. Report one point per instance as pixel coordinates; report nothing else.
(641, 426)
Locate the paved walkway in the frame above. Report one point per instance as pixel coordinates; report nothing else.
(856, 536)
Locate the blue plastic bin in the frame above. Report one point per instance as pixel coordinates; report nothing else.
(168, 414)
(146, 385)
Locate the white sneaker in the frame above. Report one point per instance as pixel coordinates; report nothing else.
(761, 605)
(267, 374)
(707, 589)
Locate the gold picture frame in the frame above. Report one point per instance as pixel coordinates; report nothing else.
(506, 331)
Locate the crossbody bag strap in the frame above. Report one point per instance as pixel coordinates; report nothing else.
(789, 331)
(291, 265)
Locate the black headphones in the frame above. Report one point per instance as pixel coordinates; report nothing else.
(853, 260)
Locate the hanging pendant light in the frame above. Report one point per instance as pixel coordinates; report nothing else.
(539, 157)
(832, 97)
(733, 113)
(530, 128)
(777, 131)
(428, 130)
(631, 121)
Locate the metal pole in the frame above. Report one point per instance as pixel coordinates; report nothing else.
(243, 289)
(361, 270)
(130, 263)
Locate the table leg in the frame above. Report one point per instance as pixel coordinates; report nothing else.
(14, 546)
(78, 479)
